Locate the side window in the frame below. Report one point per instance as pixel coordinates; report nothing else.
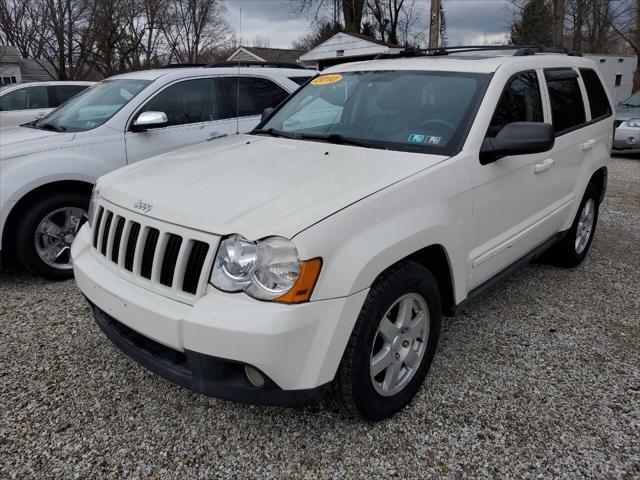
(25, 99)
(598, 100)
(191, 101)
(255, 95)
(300, 80)
(567, 107)
(59, 94)
(520, 102)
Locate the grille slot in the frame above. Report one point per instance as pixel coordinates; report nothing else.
(117, 238)
(170, 259)
(195, 263)
(149, 252)
(105, 234)
(97, 222)
(131, 246)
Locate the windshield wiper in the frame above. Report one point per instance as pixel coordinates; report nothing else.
(276, 133)
(340, 139)
(50, 126)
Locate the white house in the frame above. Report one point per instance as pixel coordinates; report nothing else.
(16, 69)
(346, 47)
(618, 73)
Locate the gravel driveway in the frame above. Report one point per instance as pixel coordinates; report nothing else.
(538, 378)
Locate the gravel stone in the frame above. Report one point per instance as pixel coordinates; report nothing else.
(539, 378)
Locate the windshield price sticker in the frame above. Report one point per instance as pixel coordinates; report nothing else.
(326, 79)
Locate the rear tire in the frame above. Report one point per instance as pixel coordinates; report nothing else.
(381, 337)
(573, 248)
(46, 229)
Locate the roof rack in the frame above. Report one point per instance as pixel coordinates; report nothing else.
(231, 63)
(519, 50)
(183, 65)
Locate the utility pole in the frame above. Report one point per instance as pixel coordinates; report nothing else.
(434, 26)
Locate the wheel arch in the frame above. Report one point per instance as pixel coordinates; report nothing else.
(599, 179)
(31, 197)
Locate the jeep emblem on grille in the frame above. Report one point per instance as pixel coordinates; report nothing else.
(142, 205)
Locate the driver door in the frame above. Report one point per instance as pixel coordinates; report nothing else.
(512, 196)
(194, 114)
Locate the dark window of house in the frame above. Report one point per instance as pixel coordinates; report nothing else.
(618, 79)
(256, 94)
(59, 94)
(567, 107)
(520, 102)
(598, 101)
(186, 102)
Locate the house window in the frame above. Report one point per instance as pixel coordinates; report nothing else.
(339, 53)
(602, 60)
(7, 80)
(618, 79)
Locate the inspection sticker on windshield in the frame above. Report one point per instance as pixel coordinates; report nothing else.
(326, 79)
(415, 138)
(433, 140)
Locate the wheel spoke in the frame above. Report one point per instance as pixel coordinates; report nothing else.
(49, 228)
(412, 360)
(381, 361)
(391, 376)
(388, 330)
(405, 313)
(60, 252)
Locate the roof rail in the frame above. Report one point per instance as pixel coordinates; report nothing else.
(231, 63)
(183, 65)
(520, 50)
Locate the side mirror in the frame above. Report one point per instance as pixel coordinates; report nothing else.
(266, 112)
(148, 120)
(518, 138)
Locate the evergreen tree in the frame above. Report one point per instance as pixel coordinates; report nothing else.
(535, 25)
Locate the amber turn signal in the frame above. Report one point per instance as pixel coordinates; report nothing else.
(303, 288)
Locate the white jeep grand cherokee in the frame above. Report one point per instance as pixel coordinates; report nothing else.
(322, 250)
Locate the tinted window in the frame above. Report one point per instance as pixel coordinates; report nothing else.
(595, 93)
(520, 102)
(192, 101)
(59, 94)
(25, 99)
(299, 80)
(256, 94)
(567, 107)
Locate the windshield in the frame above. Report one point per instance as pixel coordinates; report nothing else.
(420, 111)
(92, 107)
(633, 100)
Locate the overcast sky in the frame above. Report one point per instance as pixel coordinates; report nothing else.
(468, 21)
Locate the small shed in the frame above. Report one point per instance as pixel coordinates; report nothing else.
(14, 68)
(617, 73)
(260, 54)
(346, 47)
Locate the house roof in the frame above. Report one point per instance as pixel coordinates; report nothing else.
(348, 44)
(271, 54)
(30, 70)
(362, 36)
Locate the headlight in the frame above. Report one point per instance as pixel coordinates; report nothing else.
(268, 269)
(93, 203)
(634, 122)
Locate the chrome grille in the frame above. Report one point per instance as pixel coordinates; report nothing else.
(173, 260)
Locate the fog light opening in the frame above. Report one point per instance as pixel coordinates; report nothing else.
(254, 376)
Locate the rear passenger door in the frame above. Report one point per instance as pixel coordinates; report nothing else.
(577, 137)
(247, 97)
(195, 113)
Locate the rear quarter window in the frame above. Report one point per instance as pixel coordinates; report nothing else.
(596, 94)
(567, 106)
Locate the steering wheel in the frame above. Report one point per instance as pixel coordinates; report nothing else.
(441, 127)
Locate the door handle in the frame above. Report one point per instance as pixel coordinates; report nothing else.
(541, 167)
(588, 144)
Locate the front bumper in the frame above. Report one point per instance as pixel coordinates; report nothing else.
(206, 346)
(626, 138)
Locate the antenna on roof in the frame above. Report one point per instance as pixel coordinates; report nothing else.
(238, 84)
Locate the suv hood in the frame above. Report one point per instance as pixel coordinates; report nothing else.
(18, 141)
(258, 186)
(627, 113)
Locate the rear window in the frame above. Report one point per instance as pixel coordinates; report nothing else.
(567, 107)
(598, 100)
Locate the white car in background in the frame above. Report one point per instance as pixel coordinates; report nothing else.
(49, 166)
(27, 102)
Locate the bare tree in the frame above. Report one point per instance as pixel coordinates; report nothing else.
(195, 29)
(321, 10)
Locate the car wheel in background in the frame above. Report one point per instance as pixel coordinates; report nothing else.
(44, 234)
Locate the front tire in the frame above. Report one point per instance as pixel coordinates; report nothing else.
(44, 235)
(392, 344)
(573, 248)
